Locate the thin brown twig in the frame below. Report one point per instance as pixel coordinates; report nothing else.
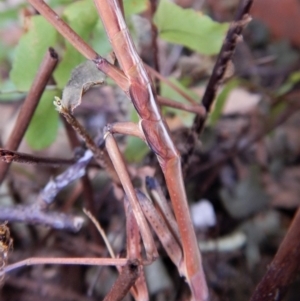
(85, 180)
(37, 88)
(232, 37)
(101, 231)
(65, 261)
(9, 156)
(197, 109)
(170, 84)
(100, 154)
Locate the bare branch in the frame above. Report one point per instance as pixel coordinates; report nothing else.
(36, 90)
(11, 156)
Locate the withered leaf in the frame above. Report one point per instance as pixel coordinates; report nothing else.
(83, 77)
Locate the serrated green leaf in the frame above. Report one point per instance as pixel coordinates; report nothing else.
(168, 92)
(82, 17)
(221, 101)
(189, 28)
(43, 127)
(30, 52)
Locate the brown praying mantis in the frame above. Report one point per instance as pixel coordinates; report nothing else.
(154, 131)
(180, 239)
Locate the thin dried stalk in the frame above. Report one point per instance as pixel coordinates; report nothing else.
(100, 154)
(64, 261)
(9, 156)
(170, 84)
(196, 109)
(36, 90)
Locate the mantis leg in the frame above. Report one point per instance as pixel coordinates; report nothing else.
(124, 177)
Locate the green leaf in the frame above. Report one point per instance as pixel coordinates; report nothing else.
(8, 92)
(54, 3)
(134, 6)
(136, 149)
(100, 41)
(189, 28)
(221, 101)
(43, 127)
(30, 52)
(82, 17)
(168, 92)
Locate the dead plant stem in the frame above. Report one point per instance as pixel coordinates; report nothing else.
(37, 88)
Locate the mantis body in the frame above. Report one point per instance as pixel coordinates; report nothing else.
(156, 134)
